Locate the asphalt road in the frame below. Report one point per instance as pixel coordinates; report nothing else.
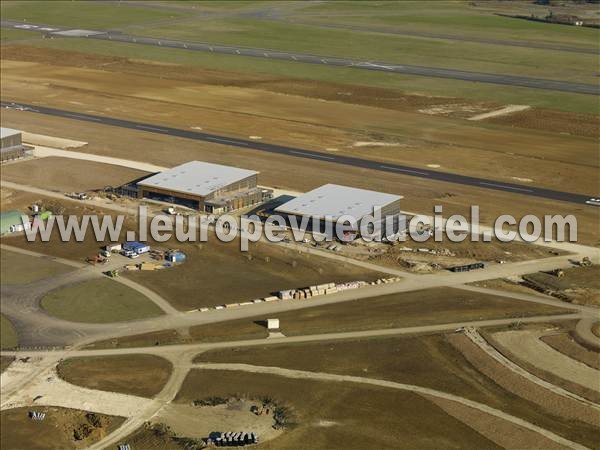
(309, 154)
(405, 69)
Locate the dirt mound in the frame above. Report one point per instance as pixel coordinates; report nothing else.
(60, 428)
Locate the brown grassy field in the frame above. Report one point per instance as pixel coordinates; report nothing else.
(327, 414)
(66, 175)
(426, 307)
(99, 301)
(217, 273)
(147, 92)
(142, 375)
(542, 157)
(5, 361)
(56, 431)
(430, 361)
(16, 268)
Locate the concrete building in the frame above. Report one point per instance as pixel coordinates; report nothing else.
(332, 201)
(11, 144)
(204, 186)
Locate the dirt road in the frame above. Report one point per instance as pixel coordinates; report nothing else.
(526, 345)
(478, 340)
(300, 374)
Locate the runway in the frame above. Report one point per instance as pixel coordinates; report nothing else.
(309, 154)
(403, 69)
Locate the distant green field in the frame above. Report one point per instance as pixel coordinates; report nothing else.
(99, 301)
(82, 13)
(8, 336)
(391, 48)
(453, 17)
(401, 83)
(9, 34)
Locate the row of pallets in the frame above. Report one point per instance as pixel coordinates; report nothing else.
(305, 293)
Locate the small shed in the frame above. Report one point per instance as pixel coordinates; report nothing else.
(272, 324)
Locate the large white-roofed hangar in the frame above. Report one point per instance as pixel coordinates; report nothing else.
(204, 186)
(332, 201)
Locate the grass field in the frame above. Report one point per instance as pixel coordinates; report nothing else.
(8, 336)
(426, 307)
(56, 431)
(430, 361)
(237, 27)
(84, 14)
(399, 83)
(327, 413)
(17, 268)
(475, 19)
(392, 49)
(98, 301)
(217, 273)
(142, 375)
(66, 175)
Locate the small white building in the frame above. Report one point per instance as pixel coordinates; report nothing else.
(272, 324)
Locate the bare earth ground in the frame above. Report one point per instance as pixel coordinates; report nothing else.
(565, 344)
(430, 361)
(142, 375)
(570, 411)
(326, 413)
(430, 306)
(67, 175)
(200, 421)
(549, 369)
(526, 345)
(55, 431)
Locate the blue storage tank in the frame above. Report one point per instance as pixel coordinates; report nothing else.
(176, 257)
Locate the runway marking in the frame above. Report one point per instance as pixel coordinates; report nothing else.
(404, 170)
(162, 130)
(226, 141)
(505, 187)
(311, 155)
(78, 116)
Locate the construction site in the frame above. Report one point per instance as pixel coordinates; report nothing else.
(185, 114)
